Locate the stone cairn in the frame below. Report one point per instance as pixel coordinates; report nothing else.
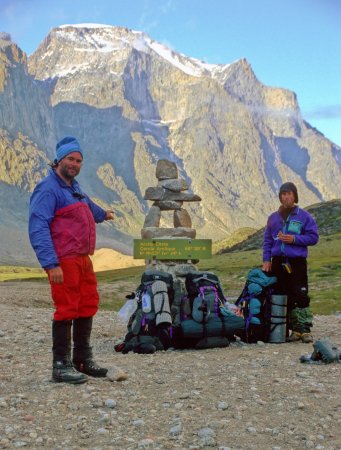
(169, 195)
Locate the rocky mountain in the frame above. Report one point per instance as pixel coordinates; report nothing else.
(131, 101)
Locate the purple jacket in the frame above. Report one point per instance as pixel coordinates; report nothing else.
(300, 224)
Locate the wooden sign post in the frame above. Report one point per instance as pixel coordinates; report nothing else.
(173, 249)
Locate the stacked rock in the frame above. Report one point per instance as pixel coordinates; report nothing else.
(169, 195)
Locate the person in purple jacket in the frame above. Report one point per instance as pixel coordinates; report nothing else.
(62, 230)
(288, 233)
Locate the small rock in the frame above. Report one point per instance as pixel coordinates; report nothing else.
(97, 403)
(302, 374)
(105, 419)
(146, 444)
(206, 432)
(110, 403)
(222, 406)
(176, 430)
(184, 395)
(208, 441)
(28, 418)
(138, 423)
(116, 374)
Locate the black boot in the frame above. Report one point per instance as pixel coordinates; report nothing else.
(82, 352)
(63, 370)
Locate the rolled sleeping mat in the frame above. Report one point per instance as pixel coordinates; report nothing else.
(161, 303)
(278, 321)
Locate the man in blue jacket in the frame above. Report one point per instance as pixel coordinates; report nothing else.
(288, 233)
(62, 230)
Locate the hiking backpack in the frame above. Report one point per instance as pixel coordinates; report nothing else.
(254, 303)
(203, 320)
(149, 326)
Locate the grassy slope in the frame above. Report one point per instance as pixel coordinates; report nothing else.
(20, 273)
(232, 267)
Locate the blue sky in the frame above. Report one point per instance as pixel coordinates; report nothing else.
(293, 44)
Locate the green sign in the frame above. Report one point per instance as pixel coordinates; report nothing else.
(172, 248)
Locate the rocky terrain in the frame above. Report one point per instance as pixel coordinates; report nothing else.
(243, 397)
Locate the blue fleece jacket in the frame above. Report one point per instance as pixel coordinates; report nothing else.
(300, 224)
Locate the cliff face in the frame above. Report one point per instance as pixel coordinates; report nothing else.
(131, 101)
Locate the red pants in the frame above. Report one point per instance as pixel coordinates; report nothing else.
(77, 296)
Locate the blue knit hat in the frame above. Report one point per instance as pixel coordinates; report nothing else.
(66, 146)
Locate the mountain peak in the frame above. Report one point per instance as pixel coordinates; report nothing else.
(108, 41)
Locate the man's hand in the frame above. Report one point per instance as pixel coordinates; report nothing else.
(286, 238)
(266, 267)
(109, 215)
(56, 275)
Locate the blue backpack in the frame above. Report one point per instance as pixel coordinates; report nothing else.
(202, 320)
(255, 305)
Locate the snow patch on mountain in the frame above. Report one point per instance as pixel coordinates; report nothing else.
(109, 39)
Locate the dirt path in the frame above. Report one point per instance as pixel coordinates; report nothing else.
(242, 397)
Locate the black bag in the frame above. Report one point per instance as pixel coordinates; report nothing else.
(149, 326)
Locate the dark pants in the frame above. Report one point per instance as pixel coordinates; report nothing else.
(295, 286)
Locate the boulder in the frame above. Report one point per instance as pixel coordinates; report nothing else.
(182, 218)
(153, 217)
(168, 205)
(154, 193)
(166, 170)
(180, 196)
(176, 185)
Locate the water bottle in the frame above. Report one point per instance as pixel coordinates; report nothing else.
(278, 323)
(127, 310)
(146, 302)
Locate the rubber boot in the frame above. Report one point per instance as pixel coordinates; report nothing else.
(63, 370)
(82, 352)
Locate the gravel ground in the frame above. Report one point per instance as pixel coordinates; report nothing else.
(243, 397)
